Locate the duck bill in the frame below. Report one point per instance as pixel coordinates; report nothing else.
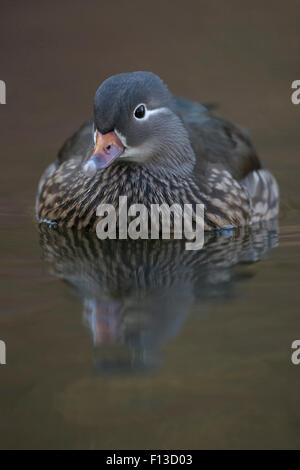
(107, 148)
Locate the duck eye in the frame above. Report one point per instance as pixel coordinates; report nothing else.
(140, 111)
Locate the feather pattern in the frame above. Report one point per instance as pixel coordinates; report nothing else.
(226, 177)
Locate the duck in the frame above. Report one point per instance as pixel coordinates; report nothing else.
(156, 148)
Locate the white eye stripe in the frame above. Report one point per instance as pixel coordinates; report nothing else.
(149, 112)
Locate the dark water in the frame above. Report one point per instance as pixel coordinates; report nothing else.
(143, 344)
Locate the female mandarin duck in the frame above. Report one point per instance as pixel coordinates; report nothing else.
(152, 147)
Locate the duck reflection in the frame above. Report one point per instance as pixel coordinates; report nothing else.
(136, 295)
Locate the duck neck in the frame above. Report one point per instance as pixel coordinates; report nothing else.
(174, 158)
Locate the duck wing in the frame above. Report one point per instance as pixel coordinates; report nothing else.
(227, 160)
(79, 145)
(216, 142)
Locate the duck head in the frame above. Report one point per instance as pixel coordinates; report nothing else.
(136, 122)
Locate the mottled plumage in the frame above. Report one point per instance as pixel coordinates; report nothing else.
(194, 157)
